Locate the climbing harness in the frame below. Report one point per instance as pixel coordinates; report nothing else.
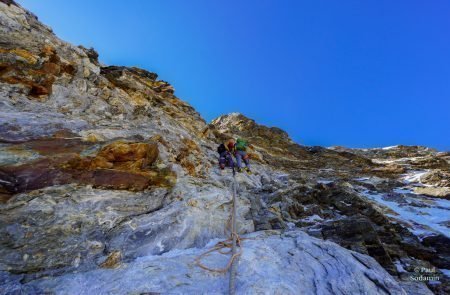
(231, 243)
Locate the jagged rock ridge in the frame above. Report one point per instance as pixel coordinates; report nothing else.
(104, 167)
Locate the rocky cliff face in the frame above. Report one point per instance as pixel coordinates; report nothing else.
(109, 184)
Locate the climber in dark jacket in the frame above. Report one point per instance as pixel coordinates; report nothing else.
(225, 151)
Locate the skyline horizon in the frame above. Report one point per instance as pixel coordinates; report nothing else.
(330, 146)
(313, 115)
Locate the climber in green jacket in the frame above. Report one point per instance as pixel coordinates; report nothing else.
(241, 154)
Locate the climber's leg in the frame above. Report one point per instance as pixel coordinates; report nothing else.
(238, 156)
(241, 155)
(230, 160)
(223, 160)
(246, 159)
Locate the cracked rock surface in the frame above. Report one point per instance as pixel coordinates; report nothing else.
(272, 262)
(109, 185)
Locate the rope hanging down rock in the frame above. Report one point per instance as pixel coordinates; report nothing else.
(231, 243)
(235, 237)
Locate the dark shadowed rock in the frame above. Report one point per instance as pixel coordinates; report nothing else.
(441, 244)
(92, 54)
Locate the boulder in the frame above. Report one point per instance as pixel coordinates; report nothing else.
(64, 227)
(439, 178)
(438, 192)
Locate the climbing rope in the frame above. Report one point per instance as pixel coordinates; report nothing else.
(230, 243)
(235, 238)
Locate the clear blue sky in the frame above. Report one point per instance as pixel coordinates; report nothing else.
(353, 73)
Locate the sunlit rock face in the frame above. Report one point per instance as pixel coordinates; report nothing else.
(272, 263)
(106, 176)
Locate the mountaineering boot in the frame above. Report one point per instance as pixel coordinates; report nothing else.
(248, 170)
(239, 169)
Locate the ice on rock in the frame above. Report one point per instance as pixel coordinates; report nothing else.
(428, 218)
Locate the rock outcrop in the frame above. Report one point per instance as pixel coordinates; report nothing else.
(119, 165)
(106, 176)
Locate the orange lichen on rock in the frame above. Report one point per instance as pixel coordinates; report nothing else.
(88, 163)
(119, 156)
(124, 165)
(119, 165)
(21, 54)
(113, 260)
(120, 151)
(255, 156)
(190, 157)
(36, 72)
